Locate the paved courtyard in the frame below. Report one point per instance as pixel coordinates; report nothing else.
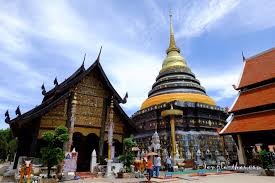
(226, 178)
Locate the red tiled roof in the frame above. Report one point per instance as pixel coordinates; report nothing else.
(255, 97)
(258, 68)
(219, 130)
(251, 122)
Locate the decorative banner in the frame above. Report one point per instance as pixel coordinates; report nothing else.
(70, 162)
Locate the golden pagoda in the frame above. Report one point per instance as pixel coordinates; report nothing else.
(178, 107)
(175, 80)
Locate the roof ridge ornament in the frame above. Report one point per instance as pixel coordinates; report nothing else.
(55, 82)
(18, 112)
(7, 115)
(83, 62)
(98, 57)
(43, 89)
(172, 44)
(124, 100)
(243, 57)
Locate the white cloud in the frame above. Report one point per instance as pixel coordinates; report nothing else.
(201, 16)
(135, 74)
(129, 39)
(252, 15)
(220, 82)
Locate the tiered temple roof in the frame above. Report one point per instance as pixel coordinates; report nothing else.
(258, 69)
(251, 123)
(254, 98)
(62, 91)
(254, 108)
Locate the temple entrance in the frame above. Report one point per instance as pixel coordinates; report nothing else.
(118, 148)
(84, 145)
(40, 143)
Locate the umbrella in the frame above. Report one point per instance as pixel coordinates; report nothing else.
(152, 154)
(135, 149)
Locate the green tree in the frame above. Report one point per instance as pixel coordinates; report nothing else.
(7, 144)
(266, 159)
(52, 154)
(3, 149)
(12, 146)
(128, 157)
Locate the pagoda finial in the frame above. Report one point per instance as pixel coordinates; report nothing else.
(172, 44)
(98, 57)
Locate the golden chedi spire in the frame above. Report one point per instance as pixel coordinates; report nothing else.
(175, 81)
(173, 58)
(172, 45)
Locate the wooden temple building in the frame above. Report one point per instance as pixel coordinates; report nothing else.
(83, 103)
(186, 119)
(252, 121)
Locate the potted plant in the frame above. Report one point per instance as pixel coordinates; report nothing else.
(266, 162)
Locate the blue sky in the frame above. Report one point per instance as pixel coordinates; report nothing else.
(40, 40)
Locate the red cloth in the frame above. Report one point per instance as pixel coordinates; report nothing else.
(149, 164)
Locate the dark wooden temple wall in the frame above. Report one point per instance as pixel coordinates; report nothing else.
(119, 127)
(90, 94)
(57, 116)
(92, 110)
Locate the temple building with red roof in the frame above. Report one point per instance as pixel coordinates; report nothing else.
(252, 119)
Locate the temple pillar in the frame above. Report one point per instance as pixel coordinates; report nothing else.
(102, 129)
(18, 151)
(110, 140)
(172, 113)
(71, 122)
(34, 138)
(111, 130)
(173, 135)
(240, 151)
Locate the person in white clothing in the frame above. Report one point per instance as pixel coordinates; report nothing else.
(169, 164)
(157, 165)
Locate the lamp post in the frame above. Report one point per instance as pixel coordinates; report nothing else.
(172, 113)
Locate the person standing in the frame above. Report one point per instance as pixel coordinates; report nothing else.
(149, 167)
(157, 164)
(169, 163)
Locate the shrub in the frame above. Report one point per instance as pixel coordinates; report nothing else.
(52, 154)
(266, 159)
(128, 156)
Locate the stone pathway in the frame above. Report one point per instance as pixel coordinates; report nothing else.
(3, 167)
